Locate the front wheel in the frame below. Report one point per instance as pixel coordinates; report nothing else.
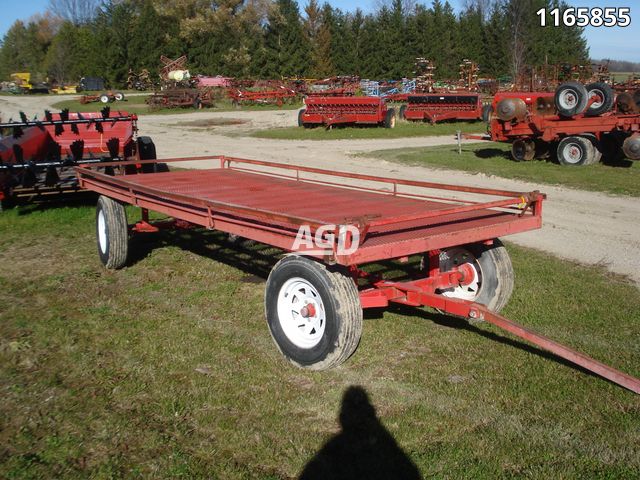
(493, 279)
(313, 312)
(112, 233)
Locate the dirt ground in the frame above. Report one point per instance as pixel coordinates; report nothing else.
(587, 227)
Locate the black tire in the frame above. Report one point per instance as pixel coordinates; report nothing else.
(147, 151)
(596, 152)
(390, 118)
(119, 96)
(574, 151)
(606, 94)
(104, 98)
(401, 115)
(300, 119)
(487, 110)
(523, 150)
(197, 104)
(571, 99)
(111, 233)
(493, 269)
(338, 294)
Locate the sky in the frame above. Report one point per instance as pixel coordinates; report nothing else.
(615, 43)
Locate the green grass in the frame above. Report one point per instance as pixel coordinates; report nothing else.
(402, 129)
(138, 106)
(494, 159)
(166, 369)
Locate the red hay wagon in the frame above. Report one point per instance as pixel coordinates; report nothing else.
(439, 107)
(331, 111)
(315, 295)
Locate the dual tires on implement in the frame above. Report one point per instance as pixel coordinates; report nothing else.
(572, 98)
(577, 151)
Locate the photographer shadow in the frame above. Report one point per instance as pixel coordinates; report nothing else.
(364, 448)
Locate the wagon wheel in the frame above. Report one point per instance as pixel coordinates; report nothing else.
(523, 150)
(605, 99)
(111, 233)
(571, 99)
(493, 273)
(313, 312)
(574, 151)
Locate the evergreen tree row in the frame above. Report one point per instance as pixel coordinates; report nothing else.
(274, 39)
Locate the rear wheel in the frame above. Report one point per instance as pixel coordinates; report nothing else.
(119, 96)
(390, 118)
(574, 151)
(493, 280)
(112, 233)
(313, 312)
(571, 99)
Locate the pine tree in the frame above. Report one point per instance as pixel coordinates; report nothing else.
(286, 49)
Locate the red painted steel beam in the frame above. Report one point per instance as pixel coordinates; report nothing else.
(464, 308)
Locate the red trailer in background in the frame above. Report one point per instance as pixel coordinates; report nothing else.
(37, 156)
(331, 111)
(439, 107)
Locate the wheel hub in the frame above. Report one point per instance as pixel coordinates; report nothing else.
(301, 313)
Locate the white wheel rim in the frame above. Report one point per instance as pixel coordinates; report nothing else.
(572, 153)
(102, 232)
(599, 94)
(301, 313)
(454, 258)
(568, 99)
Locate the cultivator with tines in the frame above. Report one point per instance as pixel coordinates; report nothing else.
(342, 110)
(440, 107)
(37, 156)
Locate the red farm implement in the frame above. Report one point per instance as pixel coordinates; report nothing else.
(581, 124)
(181, 98)
(316, 294)
(346, 110)
(277, 96)
(37, 156)
(441, 107)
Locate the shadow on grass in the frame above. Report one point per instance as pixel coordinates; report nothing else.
(485, 153)
(363, 449)
(256, 260)
(458, 323)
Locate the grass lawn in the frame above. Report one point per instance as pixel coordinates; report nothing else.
(166, 369)
(402, 129)
(138, 106)
(494, 159)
